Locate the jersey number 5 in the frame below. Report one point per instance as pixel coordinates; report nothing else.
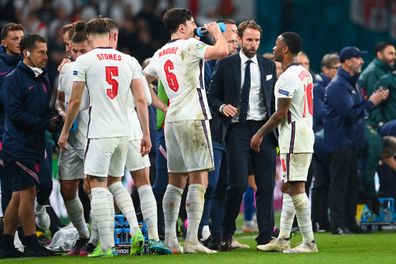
(110, 72)
(171, 77)
(308, 100)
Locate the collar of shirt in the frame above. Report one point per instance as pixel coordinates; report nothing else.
(245, 58)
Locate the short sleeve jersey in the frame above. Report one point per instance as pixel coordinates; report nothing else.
(295, 132)
(108, 75)
(179, 65)
(77, 138)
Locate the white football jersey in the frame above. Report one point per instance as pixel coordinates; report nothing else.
(295, 132)
(180, 66)
(108, 74)
(76, 138)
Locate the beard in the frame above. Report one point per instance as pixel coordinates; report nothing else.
(249, 52)
(278, 58)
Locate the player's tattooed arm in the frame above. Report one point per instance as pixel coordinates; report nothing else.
(274, 121)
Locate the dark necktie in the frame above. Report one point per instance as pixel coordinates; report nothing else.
(244, 104)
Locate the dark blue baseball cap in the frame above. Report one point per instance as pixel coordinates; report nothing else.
(351, 52)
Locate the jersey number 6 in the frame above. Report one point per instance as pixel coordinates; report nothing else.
(171, 77)
(110, 72)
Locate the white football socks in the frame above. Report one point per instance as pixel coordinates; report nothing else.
(303, 213)
(171, 206)
(75, 211)
(194, 206)
(101, 212)
(124, 202)
(148, 206)
(287, 217)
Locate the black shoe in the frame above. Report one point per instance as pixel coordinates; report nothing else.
(226, 243)
(341, 231)
(212, 243)
(264, 239)
(78, 247)
(357, 229)
(11, 253)
(90, 248)
(39, 252)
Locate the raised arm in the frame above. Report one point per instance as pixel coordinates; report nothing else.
(220, 49)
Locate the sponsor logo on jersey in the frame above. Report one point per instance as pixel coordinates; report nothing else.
(284, 92)
(200, 45)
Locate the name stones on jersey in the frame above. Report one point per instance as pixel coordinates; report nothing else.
(109, 56)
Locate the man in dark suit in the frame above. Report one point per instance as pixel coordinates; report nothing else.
(241, 93)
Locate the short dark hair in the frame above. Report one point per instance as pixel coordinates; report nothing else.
(174, 17)
(293, 41)
(227, 21)
(112, 23)
(80, 32)
(381, 46)
(98, 26)
(248, 24)
(10, 27)
(29, 42)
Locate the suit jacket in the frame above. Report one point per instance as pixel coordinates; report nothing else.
(225, 88)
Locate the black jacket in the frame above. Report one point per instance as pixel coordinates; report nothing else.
(225, 88)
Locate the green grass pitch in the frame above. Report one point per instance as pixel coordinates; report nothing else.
(377, 247)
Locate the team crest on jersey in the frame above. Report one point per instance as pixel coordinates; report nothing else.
(284, 92)
(74, 72)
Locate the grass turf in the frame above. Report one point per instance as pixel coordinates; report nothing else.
(379, 247)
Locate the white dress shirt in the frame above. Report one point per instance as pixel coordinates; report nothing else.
(256, 110)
